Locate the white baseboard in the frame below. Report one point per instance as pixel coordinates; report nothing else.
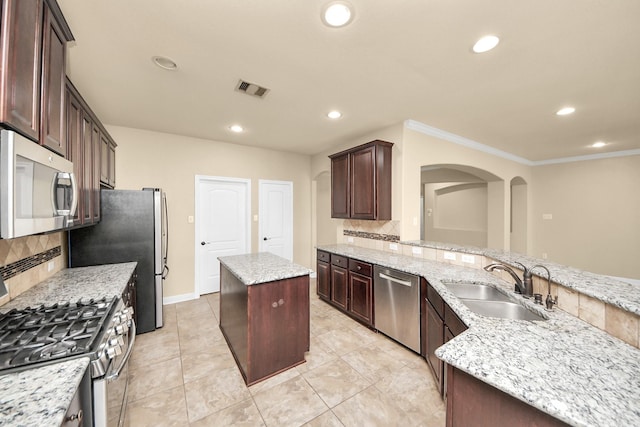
(179, 298)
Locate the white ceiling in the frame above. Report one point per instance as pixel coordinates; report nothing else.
(398, 60)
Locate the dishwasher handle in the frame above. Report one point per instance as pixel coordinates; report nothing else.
(395, 280)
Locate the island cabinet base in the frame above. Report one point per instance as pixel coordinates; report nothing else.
(471, 402)
(266, 325)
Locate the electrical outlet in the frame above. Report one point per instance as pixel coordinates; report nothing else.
(50, 266)
(190, 219)
(349, 239)
(416, 250)
(469, 259)
(547, 216)
(450, 256)
(393, 246)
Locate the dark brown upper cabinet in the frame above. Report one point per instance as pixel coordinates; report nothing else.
(361, 182)
(33, 41)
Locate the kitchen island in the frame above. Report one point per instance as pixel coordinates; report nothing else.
(264, 313)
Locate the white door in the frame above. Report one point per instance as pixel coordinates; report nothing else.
(223, 226)
(276, 218)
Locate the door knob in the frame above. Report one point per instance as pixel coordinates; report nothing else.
(204, 243)
(265, 239)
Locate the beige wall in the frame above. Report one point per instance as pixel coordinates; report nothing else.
(595, 208)
(151, 159)
(421, 150)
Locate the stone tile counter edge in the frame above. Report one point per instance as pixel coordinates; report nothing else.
(40, 396)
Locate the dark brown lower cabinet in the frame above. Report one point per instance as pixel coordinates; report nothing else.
(471, 402)
(266, 325)
(323, 283)
(433, 330)
(360, 301)
(324, 280)
(339, 281)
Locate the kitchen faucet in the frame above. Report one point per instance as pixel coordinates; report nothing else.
(549, 301)
(522, 287)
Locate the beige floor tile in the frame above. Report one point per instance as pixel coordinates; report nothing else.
(213, 393)
(164, 409)
(341, 341)
(194, 308)
(274, 381)
(319, 354)
(208, 340)
(154, 347)
(328, 419)
(207, 363)
(154, 378)
(336, 381)
(415, 394)
(242, 414)
(371, 407)
(291, 403)
(372, 363)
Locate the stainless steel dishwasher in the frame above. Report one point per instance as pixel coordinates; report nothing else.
(397, 306)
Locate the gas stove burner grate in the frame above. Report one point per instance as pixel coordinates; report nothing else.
(37, 334)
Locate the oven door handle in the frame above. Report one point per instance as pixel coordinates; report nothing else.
(132, 333)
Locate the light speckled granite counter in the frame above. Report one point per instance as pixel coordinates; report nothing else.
(73, 284)
(262, 267)
(611, 291)
(40, 397)
(562, 366)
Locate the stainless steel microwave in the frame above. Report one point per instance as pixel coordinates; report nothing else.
(38, 191)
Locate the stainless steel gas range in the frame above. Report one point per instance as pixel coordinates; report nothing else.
(103, 330)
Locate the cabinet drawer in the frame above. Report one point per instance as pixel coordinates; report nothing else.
(453, 322)
(360, 267)
(324, 256)
(341, 261)
(436, 300)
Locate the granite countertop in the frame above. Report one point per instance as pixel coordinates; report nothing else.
(73, 284)
(262, 267)
(40, 396)
(562, 366)
(604, 288)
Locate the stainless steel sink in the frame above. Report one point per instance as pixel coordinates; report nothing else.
(501, 309)
(476, 292)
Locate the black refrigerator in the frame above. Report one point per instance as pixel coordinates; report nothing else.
(133, 227)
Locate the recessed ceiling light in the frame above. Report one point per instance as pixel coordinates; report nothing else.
(236, 128)
(485, 44)
(565, 111)
(337, 14)
(598, 144)
(334, 114)
(164, 63)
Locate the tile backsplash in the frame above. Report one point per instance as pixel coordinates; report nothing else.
(26, 261)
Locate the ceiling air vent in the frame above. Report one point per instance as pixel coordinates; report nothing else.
(251, 89)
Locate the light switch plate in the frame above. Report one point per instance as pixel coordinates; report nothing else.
(416, 250)
(450, 256)
(393, 246)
